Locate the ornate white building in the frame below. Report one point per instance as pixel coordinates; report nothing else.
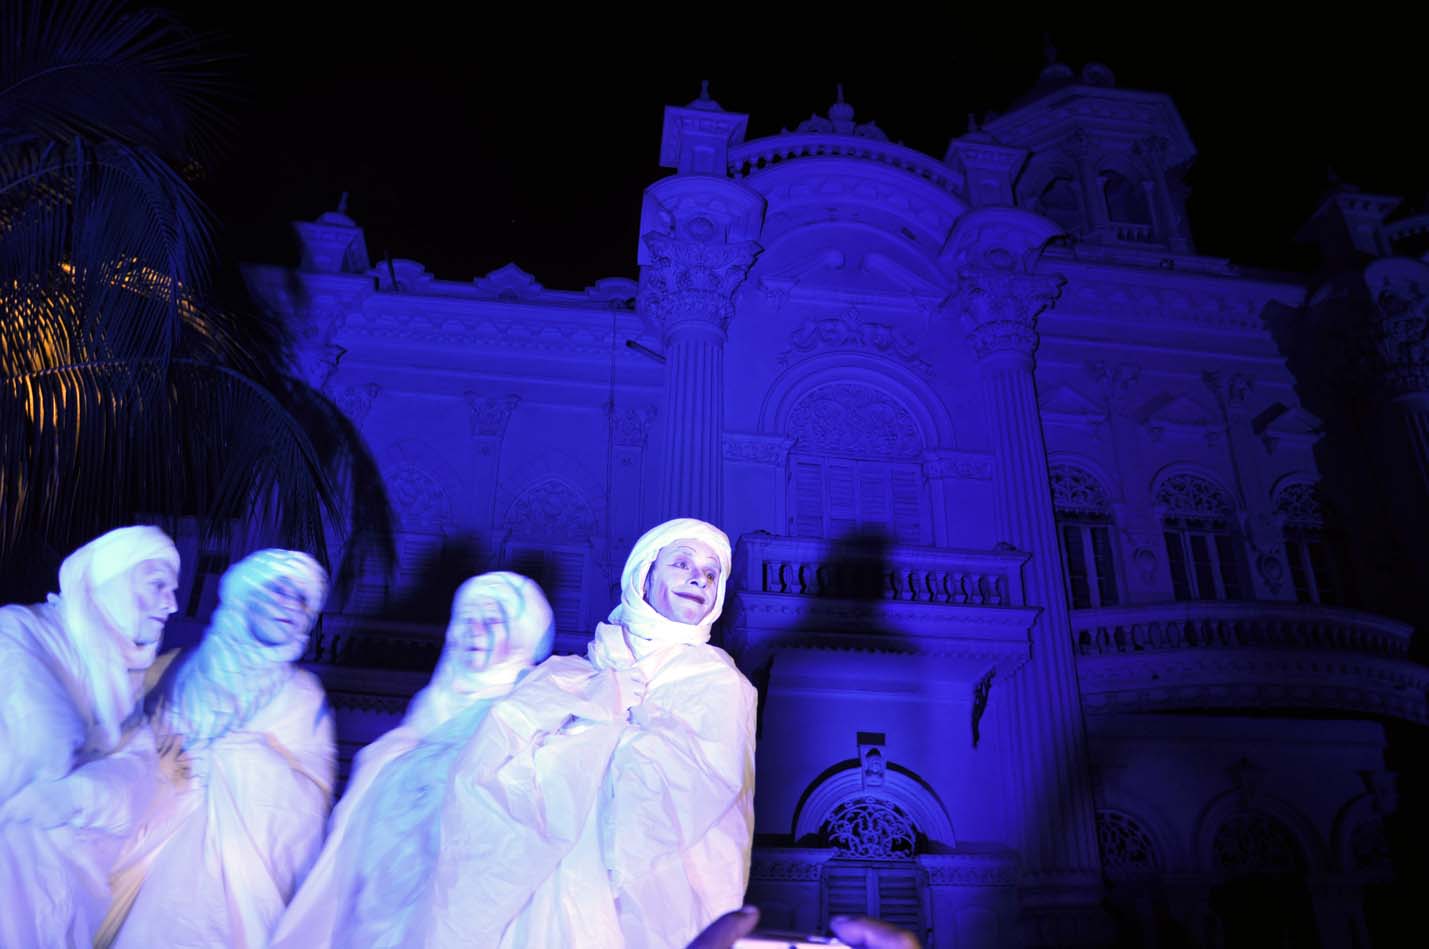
(1033, 571)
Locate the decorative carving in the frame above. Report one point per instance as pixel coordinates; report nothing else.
(1146, 563)
(1115, 379)
(874, 768)
(356, 401)
(1271, 570)
(966, 466)
(418, 498)
(1076, 491)
(1192, 497)
(490, 413)
(630, 426)
(552, 511)
(871, 827)
(1125, 846)
(853, 419)
(1256, 843)
(998, 309)
(849, 330)
(981, 691)
(1301, 505)
(790, 868)
(692, 282)
(757, 449)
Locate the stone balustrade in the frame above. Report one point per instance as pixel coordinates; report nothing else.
(1234, 625)
(828, 570)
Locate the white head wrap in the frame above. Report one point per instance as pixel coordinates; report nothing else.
(99, 612)
(647, 629)
(231, 675)
(455, 686)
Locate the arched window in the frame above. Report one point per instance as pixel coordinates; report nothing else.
(1084, 533)
(873, 872)
(1311, 555)
(1126, 847)
(1202, 546)
(856, 465)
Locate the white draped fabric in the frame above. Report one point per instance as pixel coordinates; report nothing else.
(76, 763)
(371, 884)
(220, 854)
(606, 801)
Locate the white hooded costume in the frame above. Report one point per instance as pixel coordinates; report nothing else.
(76, 763)
(219, 855)
(607, 801)
(368, 887)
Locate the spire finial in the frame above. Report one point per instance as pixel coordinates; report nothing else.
(342, 204)
(839, 92)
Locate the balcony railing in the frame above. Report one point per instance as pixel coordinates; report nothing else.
(823, 569)
(1232, 625)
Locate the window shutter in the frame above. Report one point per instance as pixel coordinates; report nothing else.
(846, 890)
(908, 506)
(900, 900)
(808, 520)
(843, 499)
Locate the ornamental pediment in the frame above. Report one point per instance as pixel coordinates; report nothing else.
(1281, 422)
(1176, 413)
(1068, 406)
(509, 282)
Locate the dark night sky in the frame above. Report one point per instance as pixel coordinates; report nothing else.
(465, 150)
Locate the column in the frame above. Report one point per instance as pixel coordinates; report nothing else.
(687, 291)
(1061, 884)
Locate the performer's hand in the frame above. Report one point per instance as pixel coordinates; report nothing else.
(722, 933)
(174, 766)
(631, 683)
(866, 933)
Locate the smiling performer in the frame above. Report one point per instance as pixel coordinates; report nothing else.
(609, 801)
(218, 857)
(383, 844)
(77, 765)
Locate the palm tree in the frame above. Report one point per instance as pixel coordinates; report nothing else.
(125, 390)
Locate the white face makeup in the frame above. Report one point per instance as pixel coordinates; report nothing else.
(280, 614)
(683, 583)
(481, 634)
(153, 583)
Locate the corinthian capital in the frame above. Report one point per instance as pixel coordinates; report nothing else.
(998, 309)
(1399, 323)
(692, 282)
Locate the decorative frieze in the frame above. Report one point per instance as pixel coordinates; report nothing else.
(849, 330)
(772, 450)
(959, 465)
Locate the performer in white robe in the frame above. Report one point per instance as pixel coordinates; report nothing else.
(77, 763)
(609, 802)
(218, 857)
(383, 840)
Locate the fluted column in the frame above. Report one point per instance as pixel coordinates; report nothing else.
(687, 290)
(1061, 870)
